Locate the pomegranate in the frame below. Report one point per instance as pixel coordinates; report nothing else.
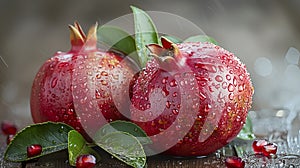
(34, 150)
(269, 149)
(83, 87)
(9, 138)
(8, 128)
(258, 145)
(234, 162)
(192, 98)
(85, 161)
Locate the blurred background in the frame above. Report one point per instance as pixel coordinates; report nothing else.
(260, 33)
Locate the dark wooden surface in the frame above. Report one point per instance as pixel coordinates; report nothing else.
(60, 160)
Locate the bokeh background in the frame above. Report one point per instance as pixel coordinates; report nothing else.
(260, 33)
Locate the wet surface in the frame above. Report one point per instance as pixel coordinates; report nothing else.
(60, 160)
(241, 148)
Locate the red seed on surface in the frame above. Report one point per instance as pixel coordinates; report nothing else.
(258, 145)
(34, 150)
(234, 162)
(85, 161)
(8, 128)
(9, 138)
(269, 149)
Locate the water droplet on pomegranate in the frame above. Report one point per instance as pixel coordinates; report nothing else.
(111, 66)
(230, 88)
(210, 89)
(115, 76)
(234, 81)
(207, 107)
(104, 73)
(104, 82)
(221, 68)
(174, 94)
(175, 111)
(224, 85)
(191, 53)
(231, 96)
(239, 97)
(97, 94)
(208, 67)
(202, 96)
(241, 76)
(164, 81)
(165, 92)
(168, 104)
(219, 78)
(240, 88)
(173, 83)
(54, 82)
(148, 106)
(228, 77)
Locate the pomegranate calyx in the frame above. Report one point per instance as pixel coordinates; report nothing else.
(78, 27)
(168, 48)
(167, 44)
(76, 38)
(91, 39)
(80, 41)
(164, 57)
(168, 55)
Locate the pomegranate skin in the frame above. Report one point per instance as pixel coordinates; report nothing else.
(198, 98)
(82, 87)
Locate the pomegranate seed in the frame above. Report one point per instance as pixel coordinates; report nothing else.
(269, 149)
(258, 145)
(234, 162)
(9, 138)
(8, 128)
(34, 150)
(85, 161)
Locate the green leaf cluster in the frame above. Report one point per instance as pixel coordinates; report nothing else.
(121, 139)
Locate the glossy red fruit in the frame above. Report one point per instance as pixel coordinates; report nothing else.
(258, 145)
(234, 162)
(192, 98)
(269, 149)
(84, 87)
(9, 138)
(85, 161)
(34, 150)
(8, 128)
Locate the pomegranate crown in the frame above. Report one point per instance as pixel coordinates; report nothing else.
(168, 55)
(81, 42)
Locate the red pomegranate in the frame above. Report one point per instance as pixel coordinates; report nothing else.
(85, 87)
(192, 98)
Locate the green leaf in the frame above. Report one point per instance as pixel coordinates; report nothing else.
(51, 136)
(173, 39)
(145, 33)
(78, 146)
(201, 38)
(124, 126)
(247, 133)
(116, 38)
(124, 147)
